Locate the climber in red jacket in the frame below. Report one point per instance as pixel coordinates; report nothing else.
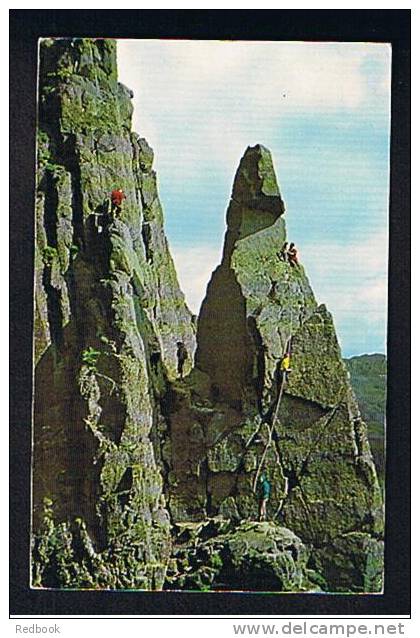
(117, 197)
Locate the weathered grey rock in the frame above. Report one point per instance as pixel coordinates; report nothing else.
(353, 562)
(214, 555)
(109, 312)
(312, 445)
(124, 452)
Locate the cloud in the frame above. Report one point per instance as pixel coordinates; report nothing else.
(352, 280)
(306, 75)
(322, 109)
(361, 265)
(208, 96)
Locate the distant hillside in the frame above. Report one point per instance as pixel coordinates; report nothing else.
(368, 378)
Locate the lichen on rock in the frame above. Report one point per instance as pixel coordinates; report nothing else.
(215, 555)
(108, 286)
(305, 433)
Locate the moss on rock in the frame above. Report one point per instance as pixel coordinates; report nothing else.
(105, 286)
(121, 444)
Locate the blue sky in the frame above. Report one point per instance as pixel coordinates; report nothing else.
(323, 111)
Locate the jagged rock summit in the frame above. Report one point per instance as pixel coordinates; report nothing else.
(228, 424)
(145, 480)
(255, 210)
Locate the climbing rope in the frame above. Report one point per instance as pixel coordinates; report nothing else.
(288, 351)
(270, 432)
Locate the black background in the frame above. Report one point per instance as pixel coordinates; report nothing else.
(26, 26)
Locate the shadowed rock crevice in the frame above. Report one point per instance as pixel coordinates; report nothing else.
(63, 454)
(71, 162)
(50, 208)
(222, 329)
(55, 315)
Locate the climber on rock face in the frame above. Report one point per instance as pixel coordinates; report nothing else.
(285, 365)
(292, 255)
(282, 255)
(182, 356)
(264, 495)
(117, 197)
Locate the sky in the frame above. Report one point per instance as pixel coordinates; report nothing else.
(323, 110)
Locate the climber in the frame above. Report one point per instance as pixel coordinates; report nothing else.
(292, 255)
(117, 197)
(182, 356)
(263, 494)
(155, 358)
(285, 365)
(282, 255)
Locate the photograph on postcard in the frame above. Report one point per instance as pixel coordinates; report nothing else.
(210, 310)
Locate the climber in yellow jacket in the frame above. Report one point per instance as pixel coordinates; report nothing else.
(285, 365)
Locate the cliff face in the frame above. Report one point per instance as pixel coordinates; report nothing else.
(108, 315)
(142, 479)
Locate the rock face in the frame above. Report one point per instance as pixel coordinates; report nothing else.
(216, 555)
(108, 315)
(144, 480)
(227, 423)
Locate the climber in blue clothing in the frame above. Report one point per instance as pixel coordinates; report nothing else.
(264, 495)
